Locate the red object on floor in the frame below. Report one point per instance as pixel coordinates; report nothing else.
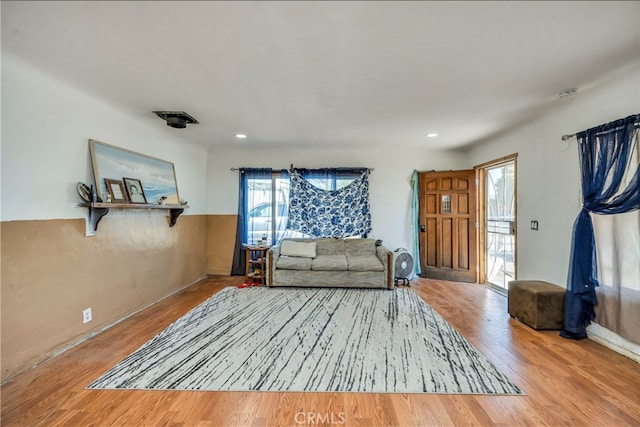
(247, 285)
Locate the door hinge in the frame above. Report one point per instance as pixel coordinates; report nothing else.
(477, 225)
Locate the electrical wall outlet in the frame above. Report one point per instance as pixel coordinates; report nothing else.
(534, 225)
(86, 315)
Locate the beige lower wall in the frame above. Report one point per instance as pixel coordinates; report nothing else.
(51, 271)
(221, 241)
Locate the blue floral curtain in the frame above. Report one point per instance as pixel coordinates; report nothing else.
(604, 159)
(329, 212)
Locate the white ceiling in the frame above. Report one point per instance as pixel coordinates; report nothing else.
(335, 74)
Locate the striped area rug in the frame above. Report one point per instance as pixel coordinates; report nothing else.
(304, 339)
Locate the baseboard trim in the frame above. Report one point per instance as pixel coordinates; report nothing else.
(613, 341)
(214, 272)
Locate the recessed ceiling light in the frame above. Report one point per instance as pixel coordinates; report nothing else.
(431, 135)
(241, 136)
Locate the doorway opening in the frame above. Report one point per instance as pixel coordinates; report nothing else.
(497, 222)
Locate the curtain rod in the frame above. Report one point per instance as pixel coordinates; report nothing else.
(369, 169)
(618, 123)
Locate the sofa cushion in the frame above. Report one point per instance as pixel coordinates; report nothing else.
(364, 263)
(293, 263)
(329, 246)
(298, 249)
(329, 263)
(359, 246)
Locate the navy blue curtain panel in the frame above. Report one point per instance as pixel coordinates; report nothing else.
(245, 174)
(604, 153)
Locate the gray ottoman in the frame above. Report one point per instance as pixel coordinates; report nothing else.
(536, 303)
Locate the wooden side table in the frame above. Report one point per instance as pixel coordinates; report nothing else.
(256, 261)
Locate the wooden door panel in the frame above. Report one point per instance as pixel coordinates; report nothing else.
(447, 243)
(431, 249)
(431, 185)
(447, 214)
(462, 204)
(454, 204)
(462, 184)
(463, 243)
(431, 206)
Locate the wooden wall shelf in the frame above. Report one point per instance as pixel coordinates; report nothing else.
(95, 212)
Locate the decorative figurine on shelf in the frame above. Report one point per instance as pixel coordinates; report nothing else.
(161, 200)
(84, 191)
(87, 193)
(183, 202)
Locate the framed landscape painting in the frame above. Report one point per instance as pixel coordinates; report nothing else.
(157, 177)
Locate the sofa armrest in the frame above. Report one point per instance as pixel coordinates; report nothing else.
(383, 254)
(386, 256)
(272, 258)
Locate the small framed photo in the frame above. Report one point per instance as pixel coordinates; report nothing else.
(115, 189)
(134, 190)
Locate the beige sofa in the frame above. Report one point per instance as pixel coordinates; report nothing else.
(330, 262)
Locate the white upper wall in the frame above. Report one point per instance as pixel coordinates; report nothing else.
(548, 174)
(548, 170)
(46, 127)
(389, 184)
(47, 124)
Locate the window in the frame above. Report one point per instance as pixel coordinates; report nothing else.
(497, 221)
(262, 193)
(445, 206)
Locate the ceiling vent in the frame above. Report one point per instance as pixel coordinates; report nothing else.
(176, 119)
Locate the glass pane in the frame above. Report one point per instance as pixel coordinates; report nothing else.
(500, 224)
(282, 200)
(259, 220)
(445, 206)
(343, 182)
(324, 184)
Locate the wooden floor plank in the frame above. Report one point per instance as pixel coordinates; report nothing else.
(566, 382)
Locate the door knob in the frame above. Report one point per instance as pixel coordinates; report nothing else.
(423, 228)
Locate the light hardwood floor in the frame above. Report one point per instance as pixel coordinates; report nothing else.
(566, 382)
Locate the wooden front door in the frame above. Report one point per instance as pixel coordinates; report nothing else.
(448, 225)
